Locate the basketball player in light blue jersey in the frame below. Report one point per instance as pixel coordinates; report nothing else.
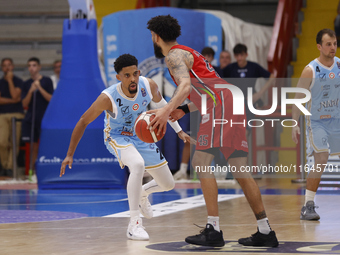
(123, 103)
(322, 78)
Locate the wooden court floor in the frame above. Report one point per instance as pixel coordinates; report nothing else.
(101, 236)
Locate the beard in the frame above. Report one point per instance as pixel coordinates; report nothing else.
(133, 91)
(158, 51)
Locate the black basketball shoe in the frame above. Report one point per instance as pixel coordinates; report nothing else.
(207, 237)
(259, 239)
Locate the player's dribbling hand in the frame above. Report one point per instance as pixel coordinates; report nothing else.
(160, 120)
(295, 133)
(67, 161)
(186, 138)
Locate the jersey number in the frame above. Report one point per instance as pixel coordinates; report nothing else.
(160, 154)
(119, 101)
(202, 140)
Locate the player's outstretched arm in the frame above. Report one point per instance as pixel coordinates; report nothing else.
(179, 63)
(102, 103)
(304, 82)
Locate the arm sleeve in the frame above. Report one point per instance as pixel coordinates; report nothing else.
(175, 126)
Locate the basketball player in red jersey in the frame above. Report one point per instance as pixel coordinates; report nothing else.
(193, 73)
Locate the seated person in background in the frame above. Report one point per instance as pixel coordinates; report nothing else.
(225, 60)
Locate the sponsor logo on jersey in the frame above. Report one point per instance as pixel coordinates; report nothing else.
(328, 104)
(317, 69)
(128, 120)
(325, 94)
(332, 75)
(135, 107)
(325, 87)
(126, 133)
(322, 77)
(244, 144)
(205, 118)
(325, 117)
(338, 64)
(336, 86)
(143, 92)
(125, 110)
(338, 74)
(152, 146)
(144, 103)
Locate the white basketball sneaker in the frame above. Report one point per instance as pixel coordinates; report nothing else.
(145, 207)
(136, 230)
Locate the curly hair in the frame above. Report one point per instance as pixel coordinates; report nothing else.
(165, 26)
(124, 61)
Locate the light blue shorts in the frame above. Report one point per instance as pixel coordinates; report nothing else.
(151, 154)
(323, 136)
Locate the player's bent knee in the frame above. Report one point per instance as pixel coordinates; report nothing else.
(137, 164)
(169, 185)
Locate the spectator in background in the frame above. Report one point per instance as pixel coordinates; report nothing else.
(208, 53)
(243, 68)
(10, 107)
(225, 59)
(40, 88)
(55, 77)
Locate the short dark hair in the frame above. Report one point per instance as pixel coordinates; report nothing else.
(208, 51)
(4, 59)
(166, 27)
(35, 59)
(322, 32)
(124, 61)
(56, 61)
(240, 48)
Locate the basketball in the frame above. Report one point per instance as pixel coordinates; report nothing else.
(141, 130)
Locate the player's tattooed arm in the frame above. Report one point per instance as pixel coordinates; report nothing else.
(179, 63)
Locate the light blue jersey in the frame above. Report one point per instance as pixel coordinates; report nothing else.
(325, 90)
(119, 130)
(323, 126)
(126, 110)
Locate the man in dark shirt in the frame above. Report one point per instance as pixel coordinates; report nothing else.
(40, 88)
(10, 107)
(243, 68)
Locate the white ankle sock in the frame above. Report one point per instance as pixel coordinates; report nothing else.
(183, 168)
(263, 225)
(310, 195)
(134, 213)
(215, 222)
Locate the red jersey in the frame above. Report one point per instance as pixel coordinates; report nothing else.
(212, 131)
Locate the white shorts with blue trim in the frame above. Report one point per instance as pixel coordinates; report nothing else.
(153, 158)
(323, 136)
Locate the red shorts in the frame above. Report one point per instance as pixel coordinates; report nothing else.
(219, 127)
